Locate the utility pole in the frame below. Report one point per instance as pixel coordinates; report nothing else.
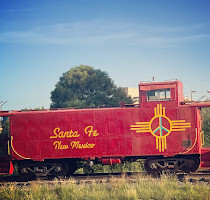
(191, 92)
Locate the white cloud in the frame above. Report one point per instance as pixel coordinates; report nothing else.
(167, 41)
(99, 32)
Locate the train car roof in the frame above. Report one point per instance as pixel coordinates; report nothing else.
(56, 110)
(159, 85)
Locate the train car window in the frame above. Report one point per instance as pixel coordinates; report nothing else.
(159, 95)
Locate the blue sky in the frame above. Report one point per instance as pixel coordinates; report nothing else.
(132, 40)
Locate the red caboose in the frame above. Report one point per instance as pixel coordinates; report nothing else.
(163, 129)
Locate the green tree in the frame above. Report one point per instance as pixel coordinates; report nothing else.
(206, 125)
(4, 136)
(84, 86)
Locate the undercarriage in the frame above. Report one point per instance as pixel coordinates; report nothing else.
(186, 164)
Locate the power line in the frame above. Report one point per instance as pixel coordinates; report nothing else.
(1, 104)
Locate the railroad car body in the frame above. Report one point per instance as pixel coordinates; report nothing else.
(163, 129)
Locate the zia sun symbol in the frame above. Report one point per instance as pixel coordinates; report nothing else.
(160, 126)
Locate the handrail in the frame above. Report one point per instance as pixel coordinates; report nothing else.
(202, 138)
(201, 104)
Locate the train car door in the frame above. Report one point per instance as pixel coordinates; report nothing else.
(6, 166)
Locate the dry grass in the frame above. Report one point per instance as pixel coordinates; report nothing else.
(143, 188)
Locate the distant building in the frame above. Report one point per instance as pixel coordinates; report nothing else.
(133, 93)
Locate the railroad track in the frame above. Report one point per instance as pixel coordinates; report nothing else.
(130, 177)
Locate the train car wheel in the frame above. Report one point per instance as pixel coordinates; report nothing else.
(191, 164)
(151, 167)
(25, 172)
(61, 169)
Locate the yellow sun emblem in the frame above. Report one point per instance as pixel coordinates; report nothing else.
(160, 126)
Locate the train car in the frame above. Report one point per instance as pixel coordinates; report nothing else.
(162, 129)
